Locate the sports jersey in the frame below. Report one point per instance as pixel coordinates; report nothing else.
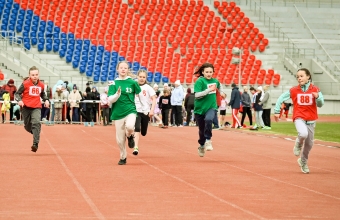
(202, 105)
(143, 100)
(31, 93)
(304, 103)
(125, 104)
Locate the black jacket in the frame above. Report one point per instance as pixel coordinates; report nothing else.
(164, 102)
(189, 100)
(235, 98)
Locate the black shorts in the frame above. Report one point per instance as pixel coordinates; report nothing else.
(222, 112)
(142, 122)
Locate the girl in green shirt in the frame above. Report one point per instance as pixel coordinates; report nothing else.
(205, 106)
(122, 97)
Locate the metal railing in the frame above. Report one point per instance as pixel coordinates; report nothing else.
(12, 42)
(290, 45)
(329, 58)
(305, 3)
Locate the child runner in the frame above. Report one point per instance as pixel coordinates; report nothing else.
(145, 104)
(165, 106)
(205, 105)
(28, 97)
(122, 97)
(223, 108)
(306, 97)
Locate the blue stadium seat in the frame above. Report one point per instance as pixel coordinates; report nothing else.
(96, 78)
(62, 53)
(34, 41)
(88, 73)
(40, 47)
(68, 58)
(48, 47)
(82, 69)
(110, 78)
(103, 78)
(75, 64)
(165, 80)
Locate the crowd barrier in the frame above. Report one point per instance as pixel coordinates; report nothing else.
(64, 112)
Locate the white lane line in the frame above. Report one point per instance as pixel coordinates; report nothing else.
(78, 185)
(195, 187)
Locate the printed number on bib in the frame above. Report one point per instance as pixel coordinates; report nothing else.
(128, 90)
(34, 91)
(212, 86)
(305, 99)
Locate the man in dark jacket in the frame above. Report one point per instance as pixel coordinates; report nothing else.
(189, 104)
(235, 100)
(11, 89)
(246, 103)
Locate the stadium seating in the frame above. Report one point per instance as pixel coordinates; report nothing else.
(168, 38)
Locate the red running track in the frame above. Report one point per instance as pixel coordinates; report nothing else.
(74, 175)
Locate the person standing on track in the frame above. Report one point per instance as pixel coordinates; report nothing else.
(122, 97)
(28, 97)
(145, 105)
(235, 101)
(306, 97)
(205, 105)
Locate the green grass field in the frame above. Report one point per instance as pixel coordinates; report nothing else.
(326, 131)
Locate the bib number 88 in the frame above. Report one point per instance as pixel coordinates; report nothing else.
(305, 99)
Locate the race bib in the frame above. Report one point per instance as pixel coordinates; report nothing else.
(165, 101)
(212, 86)
(34, 91)
(305, 99)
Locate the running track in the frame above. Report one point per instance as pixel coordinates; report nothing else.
(74, 175)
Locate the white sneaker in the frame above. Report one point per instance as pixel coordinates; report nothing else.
(135, 151)
(180, 126)
(201, 151)
(297, 148)
(208, 146)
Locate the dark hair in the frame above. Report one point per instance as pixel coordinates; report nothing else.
(88, 89)
(157, 93)
(252, 89)
(307, 73)
(201, 69)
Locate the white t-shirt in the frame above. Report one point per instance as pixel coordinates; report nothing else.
(143, 100)
(224, 103)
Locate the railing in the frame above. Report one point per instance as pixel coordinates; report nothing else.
(329, 58)
(13, 59)
(9, 45)
(282, 37)
(306, 3)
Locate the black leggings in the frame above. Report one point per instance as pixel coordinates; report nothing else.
(142, 122)
(266, 117)
(165, 117)
(246, 110)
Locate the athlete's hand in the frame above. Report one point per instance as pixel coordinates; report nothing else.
(150, 114)
(315, 94)
(21, 103)
(276, 116)
(47, 104)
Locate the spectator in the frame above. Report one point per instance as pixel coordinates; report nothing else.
(96, 105)
(189, 105)
(54, 89)
(6, 105)
(266, 103)
(177, 97)
(165, 106)
(58, 96)
(89, 96)
(258, 108)
(235, 101)
(104, 104)
(11, 89)
(223, 108)
(284, 107)
(45, 112)
(74, 99)
(246, 102)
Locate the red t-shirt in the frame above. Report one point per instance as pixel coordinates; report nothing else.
(32, 93)
(304, 103)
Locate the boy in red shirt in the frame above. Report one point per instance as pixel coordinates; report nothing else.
(28, 97)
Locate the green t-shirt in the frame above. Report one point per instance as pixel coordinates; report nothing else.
(125, 104)
(202, 105)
